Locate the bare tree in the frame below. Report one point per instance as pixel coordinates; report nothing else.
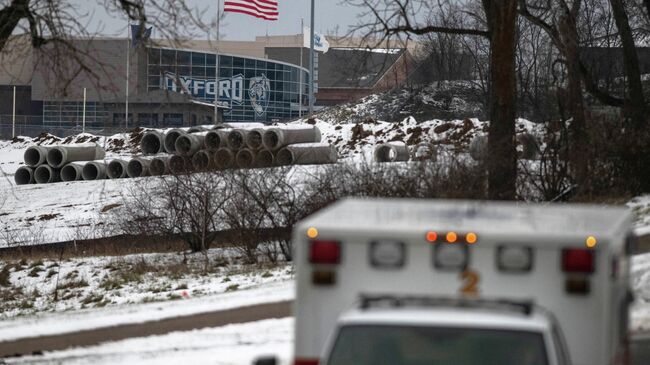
(495, 20)
(57, 29)
(187, 206)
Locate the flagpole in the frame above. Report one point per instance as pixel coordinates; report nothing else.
(311, 62)
(302, 45)
(128, 51)
(216, 68)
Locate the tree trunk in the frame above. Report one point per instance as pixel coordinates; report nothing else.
(502, 153)
(579, 141)
(635, 109)
(635, 154)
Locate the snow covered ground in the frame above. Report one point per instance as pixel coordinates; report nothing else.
(44, 291)
(233, 344)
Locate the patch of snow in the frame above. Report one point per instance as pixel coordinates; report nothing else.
(72, 321)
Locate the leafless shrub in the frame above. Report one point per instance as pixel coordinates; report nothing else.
(183, 205)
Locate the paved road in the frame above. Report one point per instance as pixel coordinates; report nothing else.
(92, 337)
(640, 348)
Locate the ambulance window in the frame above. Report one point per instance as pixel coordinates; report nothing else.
(417, 345)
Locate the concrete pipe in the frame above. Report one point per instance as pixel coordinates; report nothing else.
(180, 164)
(254, 138)
(478, 147)
(307, 154)
(425, 152)
(216, 139)
(264, 158)
(94, 170)
(224, 158)
(202, 160)
(170, 139)
(59, 156)
(159, 166)
(527, 147)
(245, 158)
(237, 138)
(116, 169)
(138, 167)
(24, 175)
(46, 174)
(275, 138)
(72, 171)
(152, 142)
(189, 144)
(391, 152)
(197, 128)
(35, 155)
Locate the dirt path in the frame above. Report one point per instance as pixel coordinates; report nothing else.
(37, 345)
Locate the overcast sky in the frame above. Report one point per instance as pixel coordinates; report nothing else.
(330, 14)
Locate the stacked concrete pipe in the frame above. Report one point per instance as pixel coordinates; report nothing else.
(180, 164)
(152, 142)
(59, 156)
(24, 175)
(391, 152)
(307, 154)
(224, 158)
(216, 139)
(159, 166)
(35, 155)
(169, 143)
(254, 138)
(237, 138)
(190, 143)
(202, 160)
(72, 171)
(245, 158)
(46, 174)
(138, 167)
(276, 138)
(116, 169)
(264, 158)
(94, 170)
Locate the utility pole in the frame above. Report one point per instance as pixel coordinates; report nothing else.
(13, 117)
(216, 68)
(83, 116)
(311, 62)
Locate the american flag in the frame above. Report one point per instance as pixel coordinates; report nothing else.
(263, 9)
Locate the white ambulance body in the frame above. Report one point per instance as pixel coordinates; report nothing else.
(571, 260)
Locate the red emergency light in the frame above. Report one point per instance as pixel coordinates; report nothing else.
(325, 252)
(577, 260)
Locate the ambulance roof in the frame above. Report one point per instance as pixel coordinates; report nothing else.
(483, 217)
(448, 317)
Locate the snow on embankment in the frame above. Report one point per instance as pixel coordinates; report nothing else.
(33, 214)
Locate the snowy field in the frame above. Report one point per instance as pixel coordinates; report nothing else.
(79, 284)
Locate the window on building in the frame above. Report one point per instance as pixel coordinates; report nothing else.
(148, 119)
(173, 120)
(168, 57)
(183, 58)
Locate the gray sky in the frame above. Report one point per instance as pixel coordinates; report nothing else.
(329, 15)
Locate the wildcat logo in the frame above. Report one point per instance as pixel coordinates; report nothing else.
(259, 92)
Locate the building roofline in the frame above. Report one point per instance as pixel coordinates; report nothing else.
(232, 55)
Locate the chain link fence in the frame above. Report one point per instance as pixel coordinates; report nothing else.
(32, 126)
